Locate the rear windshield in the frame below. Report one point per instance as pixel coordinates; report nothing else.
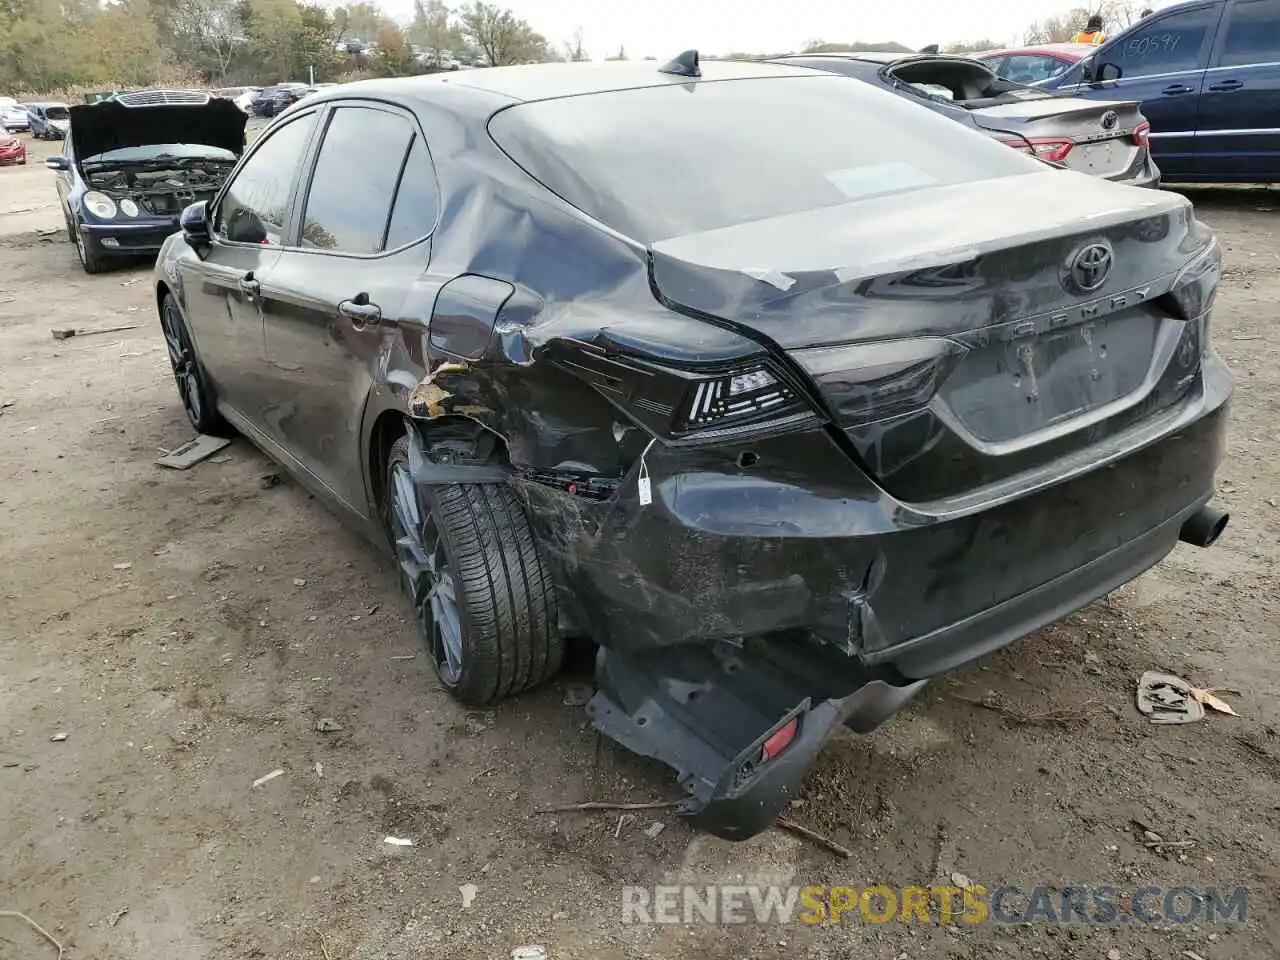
(662, 162)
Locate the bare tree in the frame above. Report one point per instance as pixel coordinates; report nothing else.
(1056, 29)
(971, 46)
(620, 55)
(1116, 16)
(209, 32)
(575, 49)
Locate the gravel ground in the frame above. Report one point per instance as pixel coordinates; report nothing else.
(185, 631)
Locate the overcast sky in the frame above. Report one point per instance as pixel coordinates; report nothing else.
(665, 27)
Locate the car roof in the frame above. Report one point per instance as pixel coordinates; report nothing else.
(1075, 51)
(871, 56)
(548, 81)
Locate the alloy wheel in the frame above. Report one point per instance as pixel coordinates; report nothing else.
(182, 359)
(424, 569)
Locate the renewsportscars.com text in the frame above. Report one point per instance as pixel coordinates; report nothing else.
(729, 904)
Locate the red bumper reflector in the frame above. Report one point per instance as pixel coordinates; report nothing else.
(782, 739)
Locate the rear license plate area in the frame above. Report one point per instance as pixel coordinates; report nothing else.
(1010, 388)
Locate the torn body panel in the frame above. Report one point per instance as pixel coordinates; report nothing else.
(816, 565)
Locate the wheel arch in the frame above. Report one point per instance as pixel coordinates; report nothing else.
(491, 463)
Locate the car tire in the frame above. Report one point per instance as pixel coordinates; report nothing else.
(484, 601)
(188, 372)
(91, 257)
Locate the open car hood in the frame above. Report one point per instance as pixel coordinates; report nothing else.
(110, 125)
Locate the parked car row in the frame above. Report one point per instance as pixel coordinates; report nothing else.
(1107, 139)
(787, 425)
(1207, 74)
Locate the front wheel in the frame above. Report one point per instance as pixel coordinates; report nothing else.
(193, 385)
(485, 603)
(91, 258)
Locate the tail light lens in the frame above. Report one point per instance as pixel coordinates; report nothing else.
(712, 404)
(739, 398)
(1196, 286)
(866, 382)
(1053, 150)
(1142, 135)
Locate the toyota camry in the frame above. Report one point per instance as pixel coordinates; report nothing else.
(786, 393)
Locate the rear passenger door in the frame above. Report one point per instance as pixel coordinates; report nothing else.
(1162, 63)
(336, 293)
(1238, 136)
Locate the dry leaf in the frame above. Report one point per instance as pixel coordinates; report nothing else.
(1212, 702)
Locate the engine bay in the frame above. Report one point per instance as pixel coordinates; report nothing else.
(162, 191)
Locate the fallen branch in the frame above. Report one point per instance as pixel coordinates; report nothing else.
(813, 836)
(607, 805)
(324, 948)
(72, 332)
(34, 926)
(1059, 716)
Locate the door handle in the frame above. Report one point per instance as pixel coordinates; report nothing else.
(360, 311)
(1226, 85)
(249, 285)
(1175, 89)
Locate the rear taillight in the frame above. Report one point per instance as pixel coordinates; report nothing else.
(1142, 135)
(868, 382)
(1053, 150)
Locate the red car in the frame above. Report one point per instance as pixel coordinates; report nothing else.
(12, 150)
(1038, 63)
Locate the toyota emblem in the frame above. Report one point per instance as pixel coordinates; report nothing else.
(1109, 120)
(1090, 267)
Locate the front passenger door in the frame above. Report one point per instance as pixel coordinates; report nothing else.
(223, 289)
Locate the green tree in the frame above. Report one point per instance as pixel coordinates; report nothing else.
(394, 58)
(502, 37)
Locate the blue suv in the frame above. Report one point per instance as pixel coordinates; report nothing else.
(1208, 75)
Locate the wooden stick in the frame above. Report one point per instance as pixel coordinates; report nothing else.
(606, 805)
(811, 835)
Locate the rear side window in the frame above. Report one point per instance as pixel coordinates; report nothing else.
(1026, 68)
(349, 202)
(417, 205)
(1254, 33)
(1169, 45)
(666, 161)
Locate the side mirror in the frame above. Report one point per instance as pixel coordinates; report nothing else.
(57, 163)
(1109, 71)
(194, 221)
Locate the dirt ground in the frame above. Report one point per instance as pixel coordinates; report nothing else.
(186, 630)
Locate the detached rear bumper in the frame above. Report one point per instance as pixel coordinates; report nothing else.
(740, 600)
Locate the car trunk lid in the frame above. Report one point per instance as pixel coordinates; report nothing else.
(1101, 133)
(961, 300)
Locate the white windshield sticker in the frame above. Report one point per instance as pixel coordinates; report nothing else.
(869, 181)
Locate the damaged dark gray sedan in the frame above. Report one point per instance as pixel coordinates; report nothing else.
(787, 393)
